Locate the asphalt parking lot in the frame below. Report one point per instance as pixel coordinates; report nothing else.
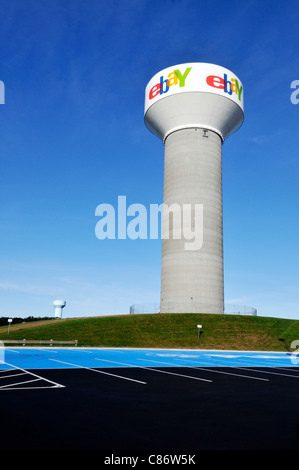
(133, 409)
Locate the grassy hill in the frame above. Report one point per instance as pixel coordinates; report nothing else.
(229, 332)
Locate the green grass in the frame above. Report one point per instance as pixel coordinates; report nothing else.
(230, 332)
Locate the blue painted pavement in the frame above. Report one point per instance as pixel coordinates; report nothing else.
(56, 358)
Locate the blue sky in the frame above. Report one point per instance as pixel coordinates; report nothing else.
(72, 136)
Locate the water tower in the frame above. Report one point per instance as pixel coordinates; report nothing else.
(193, 108)
(59, 305)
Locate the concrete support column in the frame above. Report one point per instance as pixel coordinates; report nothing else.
(192, 280)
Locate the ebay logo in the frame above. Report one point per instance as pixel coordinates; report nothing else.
(203, 77)
(173, 78)
(228, 86)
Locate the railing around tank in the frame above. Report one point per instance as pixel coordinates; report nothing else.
(229, 309)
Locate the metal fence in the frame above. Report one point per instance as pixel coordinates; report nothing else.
(229, 309)
(145, 308)
(232, 309)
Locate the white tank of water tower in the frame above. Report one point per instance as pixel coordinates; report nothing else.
(193, 108)
(58, 305)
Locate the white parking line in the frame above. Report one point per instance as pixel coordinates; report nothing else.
(87, 352)
(13, 386)
(12, 350)
(231, 373)
(211, 370)
(51, 351)
(293, 369)
(247, 361)
(99, 371)
(12, 375)
(9, 386)
(273, 373)
(155, 370)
